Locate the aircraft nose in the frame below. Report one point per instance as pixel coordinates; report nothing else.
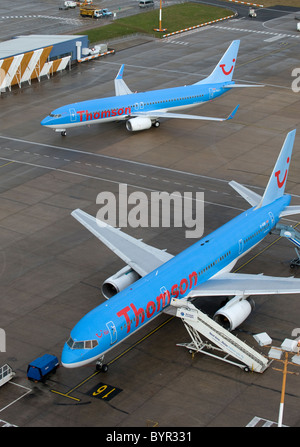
(68, 359)
(46, 121)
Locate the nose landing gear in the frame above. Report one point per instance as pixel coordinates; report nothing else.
(100, 366)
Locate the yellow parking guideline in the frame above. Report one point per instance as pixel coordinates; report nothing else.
(65, 395)
(10, 162)
(109, 363)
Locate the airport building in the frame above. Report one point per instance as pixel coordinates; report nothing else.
(30, 57)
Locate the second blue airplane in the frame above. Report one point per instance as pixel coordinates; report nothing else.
(143, 110)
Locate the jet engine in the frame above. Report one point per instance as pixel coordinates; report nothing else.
(119, 281)
(234, 312)
(138, 123)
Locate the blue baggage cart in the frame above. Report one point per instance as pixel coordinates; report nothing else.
(41, 367)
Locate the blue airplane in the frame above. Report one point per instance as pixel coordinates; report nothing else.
(143, 110)
(152, 277)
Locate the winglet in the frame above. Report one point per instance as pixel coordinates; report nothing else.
(120, 86)
(120, 72)
(233, 113)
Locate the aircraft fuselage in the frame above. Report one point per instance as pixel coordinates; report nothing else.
(114, 320)
(125, 106)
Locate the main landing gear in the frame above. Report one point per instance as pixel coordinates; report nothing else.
(295, 262)
(156, 123)
(100, 366)
(63, 132)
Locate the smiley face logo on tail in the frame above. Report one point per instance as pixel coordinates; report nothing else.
(225, 72)
(277, 174)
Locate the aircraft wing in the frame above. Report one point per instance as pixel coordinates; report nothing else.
(243, 85)
(141, 257)
(121, 87)
(160, 114)
(228, 284)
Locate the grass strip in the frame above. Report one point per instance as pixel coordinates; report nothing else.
(174, 18)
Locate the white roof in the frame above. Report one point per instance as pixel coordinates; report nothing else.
(23, 44)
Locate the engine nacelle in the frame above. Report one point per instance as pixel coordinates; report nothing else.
(119, 281)
(233, 314)
(138, 123)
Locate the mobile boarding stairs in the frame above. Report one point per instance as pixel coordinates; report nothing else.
(226, 345)
(293, 236)
(6, 374)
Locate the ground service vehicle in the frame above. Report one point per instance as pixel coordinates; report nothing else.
(146, 3)
(41, 367)
(252, 13)
(90, 11)
(67, 5)
(106, 13)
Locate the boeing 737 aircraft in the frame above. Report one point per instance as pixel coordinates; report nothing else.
(142, 110)
(144, 288)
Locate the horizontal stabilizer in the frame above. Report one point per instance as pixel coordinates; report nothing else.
(232, 284)
(251, 197)
(290, 210)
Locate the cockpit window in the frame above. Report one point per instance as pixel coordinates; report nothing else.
(87, 344)
(70, 342)
(55, 115)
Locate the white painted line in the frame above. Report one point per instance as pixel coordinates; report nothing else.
(16, 400)
(110, 181)
(272, 39)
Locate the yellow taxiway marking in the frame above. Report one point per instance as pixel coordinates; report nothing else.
(6, 164)
(109, 363)
(283, 45)
(65, 395)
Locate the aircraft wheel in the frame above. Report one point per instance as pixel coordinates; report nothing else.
(156, 124)
(63, 133)
(101, 368)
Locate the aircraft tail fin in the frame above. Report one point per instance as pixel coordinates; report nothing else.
(223, 71)
(276, 185)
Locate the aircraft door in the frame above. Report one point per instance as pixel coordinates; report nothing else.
(73, 115)
(211, 93)
(271, 217)
(241, 246)
(112, 332)
(166, 294)
(139, 106)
